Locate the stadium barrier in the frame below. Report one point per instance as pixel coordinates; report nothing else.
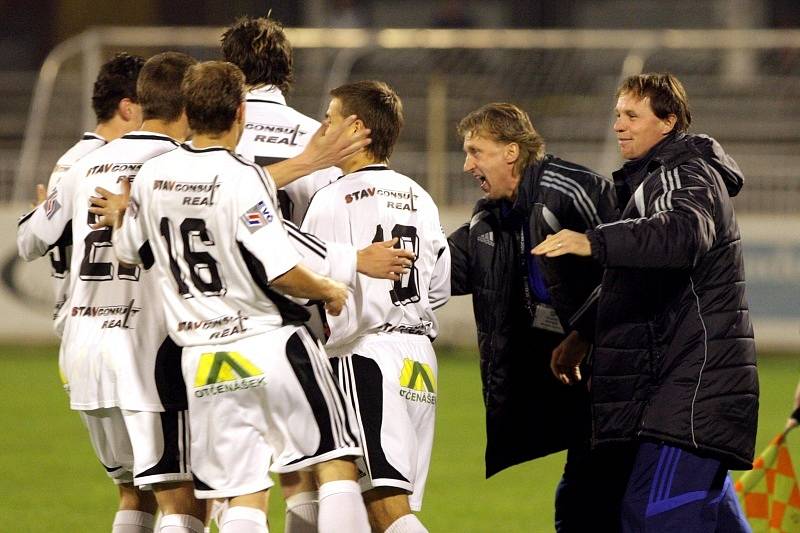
(772, 266)
(743, 87)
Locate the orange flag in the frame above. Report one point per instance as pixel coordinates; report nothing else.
(769, 493)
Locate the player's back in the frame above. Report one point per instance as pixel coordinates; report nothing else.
(274, 132)
(115, 325)
(375, 204)
(210, 218)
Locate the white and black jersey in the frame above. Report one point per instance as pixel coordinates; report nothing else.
(273, 132)
(218, 243)
(30, 248)
(376, 204)
(114, 331)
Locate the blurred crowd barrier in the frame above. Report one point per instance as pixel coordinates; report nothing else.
(743, 86)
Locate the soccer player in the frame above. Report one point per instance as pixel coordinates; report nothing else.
(117, 111)
(121, 370)
(273, 131)
(263, 396)
(382, 340)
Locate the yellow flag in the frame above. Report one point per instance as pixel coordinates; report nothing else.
(769, 492)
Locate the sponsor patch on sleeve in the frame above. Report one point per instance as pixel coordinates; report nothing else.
(256, 217)
(51, 205)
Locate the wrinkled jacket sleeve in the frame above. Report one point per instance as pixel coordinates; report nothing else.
(677, 234)
(458, 242)
(575, 291)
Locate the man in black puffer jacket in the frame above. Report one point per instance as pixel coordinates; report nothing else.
(674, 365)
(526, 306)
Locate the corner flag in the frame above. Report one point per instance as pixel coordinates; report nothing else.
(769, 493)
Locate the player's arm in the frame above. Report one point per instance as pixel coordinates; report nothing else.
(301, 282)
(129, 237)
(49, 223)
(330, 230)
(439, 290)
(268, 251)
(327, 148)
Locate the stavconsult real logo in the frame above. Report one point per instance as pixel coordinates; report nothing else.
(417, 382)
(221, 372)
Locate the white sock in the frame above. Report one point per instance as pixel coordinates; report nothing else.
(301, 513)
(242, 519)
(133, 522)
(181, 523)
(406, 524)
(341, 508)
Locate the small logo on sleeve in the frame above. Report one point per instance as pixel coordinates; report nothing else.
(51, 205)
(257, 217)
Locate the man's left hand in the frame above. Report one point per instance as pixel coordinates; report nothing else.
(564, 242)
(567, 358)
(110, 207)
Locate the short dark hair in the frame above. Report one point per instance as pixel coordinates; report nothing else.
(213, 91)
(159, 86)
(115, 81)
(666, 93)
(379, 108)
(506, 123)
(260, 48)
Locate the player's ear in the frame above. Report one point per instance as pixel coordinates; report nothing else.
(126, 109)
(240, 113)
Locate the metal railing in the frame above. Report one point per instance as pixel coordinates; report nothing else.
(336, 55)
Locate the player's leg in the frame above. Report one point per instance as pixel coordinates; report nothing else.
(392, 385)
(246, 513)
(302, 501)
(112, 446)
(340, 496)
(137, 510)
(161, 461)
(321, 434)
(230, 456)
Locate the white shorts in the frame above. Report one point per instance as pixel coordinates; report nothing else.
(140, 447)
(269, 402)
(391, 380)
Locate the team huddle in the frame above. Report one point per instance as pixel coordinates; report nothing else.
(193, 309)
(242, 291)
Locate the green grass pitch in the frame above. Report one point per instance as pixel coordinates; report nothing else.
(50, 480)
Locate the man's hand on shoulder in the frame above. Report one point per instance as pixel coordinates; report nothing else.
(110, 207)
(564, 242)
(381, 260)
